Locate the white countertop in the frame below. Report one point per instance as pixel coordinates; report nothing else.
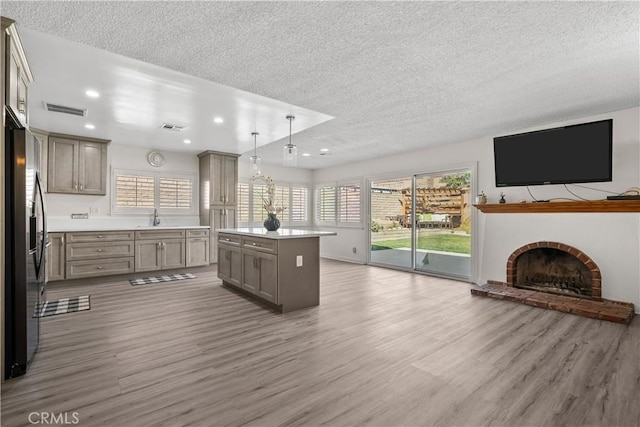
(123, 228)
(283, 233)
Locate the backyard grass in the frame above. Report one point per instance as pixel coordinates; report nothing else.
(438, 242)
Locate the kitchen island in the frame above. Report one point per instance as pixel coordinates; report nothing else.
(281, 268)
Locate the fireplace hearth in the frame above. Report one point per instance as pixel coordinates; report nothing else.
(558, 277)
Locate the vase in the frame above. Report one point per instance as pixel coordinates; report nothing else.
(272, 223)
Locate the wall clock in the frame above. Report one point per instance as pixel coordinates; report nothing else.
(155, 159)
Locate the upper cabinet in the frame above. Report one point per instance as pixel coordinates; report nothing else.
(77, 165)
(18, 73)
(220, 171)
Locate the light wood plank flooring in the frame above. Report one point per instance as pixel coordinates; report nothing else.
(384, 348)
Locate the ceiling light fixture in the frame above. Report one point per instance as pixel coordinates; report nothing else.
(306, 154)
(254, 161)
(187, 141)
(92, 94)
(324, 150)
(290, 151)
(89, 126)
(218, 120)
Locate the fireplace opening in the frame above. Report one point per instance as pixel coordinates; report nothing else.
(555, 268)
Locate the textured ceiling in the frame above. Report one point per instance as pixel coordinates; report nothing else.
(397, 76)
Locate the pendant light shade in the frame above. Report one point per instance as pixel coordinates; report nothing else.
(290, 151)
(254, 161)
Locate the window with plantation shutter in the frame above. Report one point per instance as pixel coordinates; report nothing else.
(327, 204)
(299, 204)
(134, 191)
(251, 197)
(243, 203)
(258, 193)
(138, 192)
(176, 193)
(282, 199)
(349, 203)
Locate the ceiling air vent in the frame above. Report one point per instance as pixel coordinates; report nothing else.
(66, 110)
(169, 126)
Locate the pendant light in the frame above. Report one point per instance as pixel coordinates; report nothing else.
(290, 151)
(254, 161)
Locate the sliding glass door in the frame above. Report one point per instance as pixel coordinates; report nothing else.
(443, 223)
(423, 223)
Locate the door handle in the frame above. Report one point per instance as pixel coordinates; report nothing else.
(47, 245)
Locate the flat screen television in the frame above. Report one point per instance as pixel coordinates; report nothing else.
(564, 155)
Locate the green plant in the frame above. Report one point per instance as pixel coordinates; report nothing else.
(394, 225)
(458, 180)
(375, 226)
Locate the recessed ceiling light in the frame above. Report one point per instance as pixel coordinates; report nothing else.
(92, 94)
(89, 126)
(187, 141)
(218, 119)
(306, 154)
(324, 150)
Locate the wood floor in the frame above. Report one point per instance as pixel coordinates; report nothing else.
(384, 348)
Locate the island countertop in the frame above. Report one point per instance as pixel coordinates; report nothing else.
(283, 233)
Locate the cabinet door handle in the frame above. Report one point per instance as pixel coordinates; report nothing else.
(99, 267)
(100, 236)
(81, 186)
(158, 245)
(62, 240)
(100, 250)
(75, 186)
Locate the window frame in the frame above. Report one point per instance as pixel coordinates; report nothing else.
(289, 185)
(336, 222)
(121, 210)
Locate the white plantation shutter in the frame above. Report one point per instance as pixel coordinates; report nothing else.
(135, 191)
(327, 204)
(349, 196)
(243, 203)
(259, 193)
(282, 199)
(299, 204)
(176, 193)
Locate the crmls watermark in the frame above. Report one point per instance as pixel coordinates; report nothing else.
(45, 418)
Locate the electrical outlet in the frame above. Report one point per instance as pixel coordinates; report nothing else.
(299, 261)
(354, 249)
(79, 216)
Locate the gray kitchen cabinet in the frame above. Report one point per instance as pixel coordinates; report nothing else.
(55, 257)
(198, 247)
(77, 165)
(18, 74)
(160, 249)
(260, 274)
(230, 264)
(98, 253)
(218, 193)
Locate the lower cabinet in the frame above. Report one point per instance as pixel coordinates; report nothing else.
(260, 274)
(198, 247)
(154, 255)
(230, 264)
(55, 257)
(102, 253)
(282, 271)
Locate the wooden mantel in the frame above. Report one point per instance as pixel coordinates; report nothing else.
(557, 207)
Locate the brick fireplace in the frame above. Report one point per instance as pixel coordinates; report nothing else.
(559, 277)
(555, 268)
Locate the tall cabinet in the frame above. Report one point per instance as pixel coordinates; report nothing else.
(218, 194)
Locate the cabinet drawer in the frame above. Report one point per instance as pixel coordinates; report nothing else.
(198, 233)
(264, 245)
(102, 267)
(228, 239)
(99, 236)
(78, 251)
(160, 234)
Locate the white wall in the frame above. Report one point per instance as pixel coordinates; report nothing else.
(611, 240)
(61, 206)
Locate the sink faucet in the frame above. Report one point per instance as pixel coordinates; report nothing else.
(156, 220)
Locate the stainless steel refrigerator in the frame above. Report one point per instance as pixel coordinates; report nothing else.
(25, 243)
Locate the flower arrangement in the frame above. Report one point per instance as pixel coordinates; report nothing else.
(268, 202)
